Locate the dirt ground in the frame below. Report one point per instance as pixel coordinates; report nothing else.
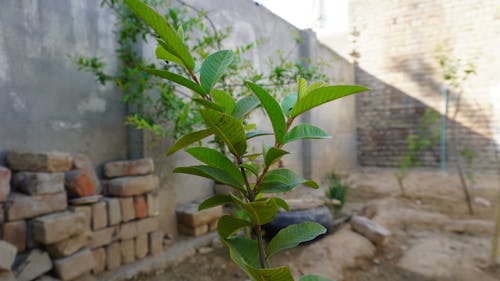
(433, 235)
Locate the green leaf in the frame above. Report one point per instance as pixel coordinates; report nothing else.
(292, 235)
(224, 99)
(310, 277)
(251, 167)
(213, 173)
(252, 157)
(158, 23)
(288, 102)
(163, 54)
(214, 158)
(316, 85)
(209, 104)
(215, 201)
(273, 110)
(323, 95)
(282, 203)
(281, 273)
(305, 131)
(302, 87)
(189, 139)
(229, 129)
(245, 106)
(243, 251)
(283, 180)
(213, 68)
(177, 79)
(255, 134)
(228, 225)
(261, 212)
(273, 155)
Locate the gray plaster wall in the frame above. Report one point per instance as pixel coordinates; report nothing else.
(45, 102)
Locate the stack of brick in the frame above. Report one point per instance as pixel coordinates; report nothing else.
(195, 223)
(7, 255)
(125, 225)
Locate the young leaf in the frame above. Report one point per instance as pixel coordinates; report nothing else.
(224, 99)
(213, 173)
(251, 167)
(292, 235)
(177, 79)
(311, 277)
(305, 131)
(283, 180)
(288, 102)
(245, 106)
(228, 225)
(189, 139)
(273, 110)
(213, 68)
(302, 87)
(273, 155)
(158, 23)
(261, 212)
(163, 54)
(282, 203)
(323, 95)
(214, 158)
(281, 273)
(255, 134)
(229, 129)
(209, 104)
(243, 251)
(215, 201)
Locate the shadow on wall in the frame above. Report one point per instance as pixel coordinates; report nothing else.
(386, 116)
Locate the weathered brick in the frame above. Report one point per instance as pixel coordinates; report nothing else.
(129, 168)
(5, 176)
(7, 276)
(15, 233)
(69, 246)
(370, 229)
(38, 183)
(114, 211)
(71, 267)
(2, 215)
(99, 215)
(85, 277)
(153, 202)
(30, 239)
(140, 207)
(141, 246)
(129, 186)
(83, 162)
(212, 226)
(147, 225)
(127, 208)
(189, 215)
(155, 242)
(127, 230)
(32, 265)
(79, 183)
(100, 260)
(23, 207)
(57, 227)
(39, 161)
(128, 251)
(103, 237)
(113, 256)
(7, 255)
(193, 231)
(85, 210)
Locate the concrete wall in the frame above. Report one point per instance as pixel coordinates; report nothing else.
(394, 47)
(45, 102)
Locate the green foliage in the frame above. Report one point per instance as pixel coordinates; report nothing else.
(337, 189)
(251, 175)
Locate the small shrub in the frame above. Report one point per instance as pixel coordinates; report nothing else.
(337, 189)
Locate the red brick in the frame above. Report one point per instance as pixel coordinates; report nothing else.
(141, 207)
(82, 162)
(79, 183)
(129, 168)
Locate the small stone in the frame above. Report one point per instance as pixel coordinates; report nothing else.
(74, 266)
(38, 183)
(193, 231)
(114, 211)
(23, 206)
(7, 255)
(15, 233)
(370, 229)
(129, 168)
(205, 250)
(100, 260)
(39, 162)
(189, 215)
(129, 186)
(141, 207)
(127, 207)
(57, 227)
(127, 230)
(5, 175)
(103, 237)
(79, 183)
(148, 225)
(482, 201)
(153, 202)
(128, 251)
(87, 200)
(32, 265)
(113, 256)
(99, 215)
(141, 246)
(155, 242)
(69, 246)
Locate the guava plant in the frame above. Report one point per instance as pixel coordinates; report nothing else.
(251, 175)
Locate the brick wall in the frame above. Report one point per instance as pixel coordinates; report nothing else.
(394, 46)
